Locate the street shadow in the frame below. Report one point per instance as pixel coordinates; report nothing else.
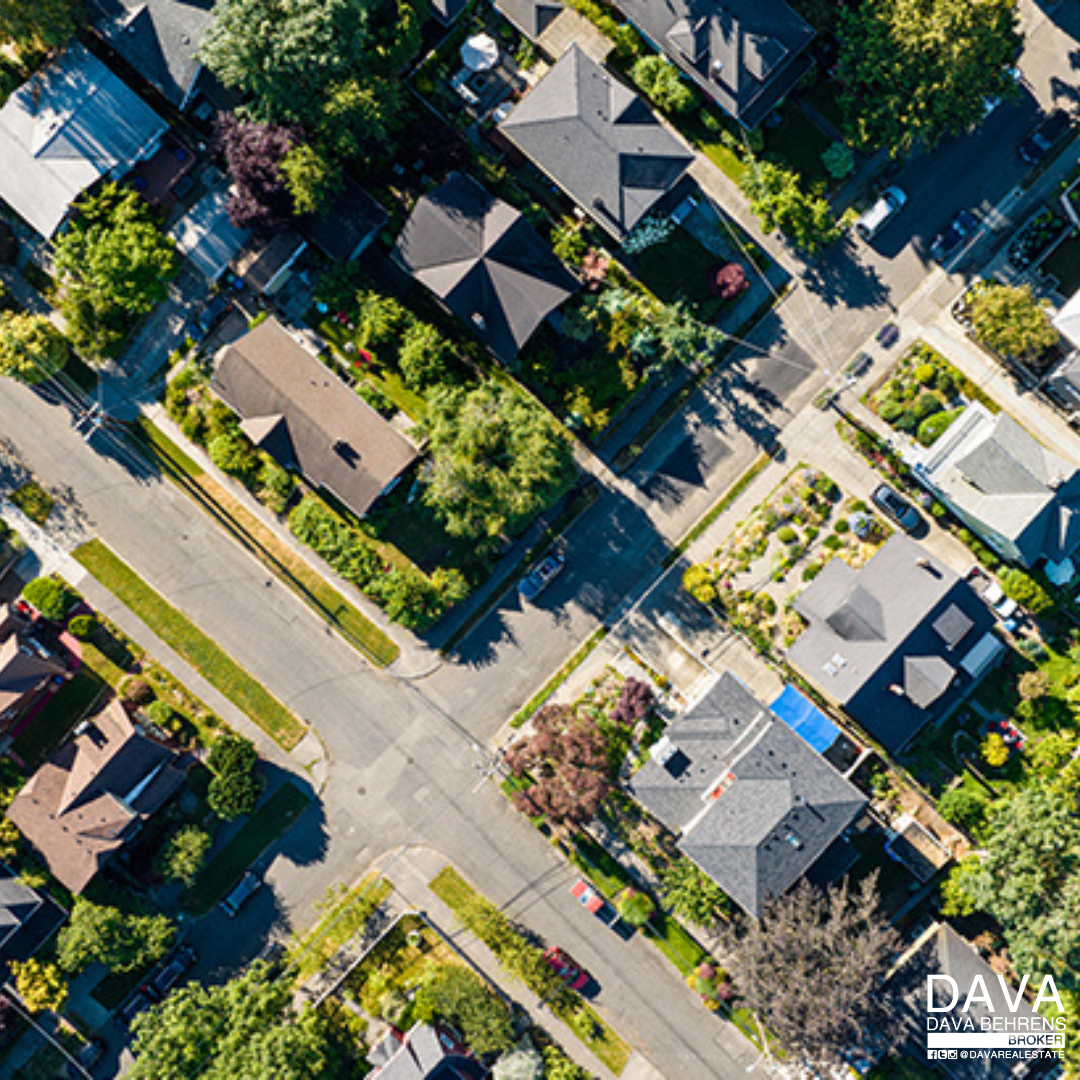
(307, 840)
(838, 276)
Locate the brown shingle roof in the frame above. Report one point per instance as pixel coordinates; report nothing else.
(305, 417)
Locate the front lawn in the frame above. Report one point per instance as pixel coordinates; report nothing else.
(45, 731)
(181, 634)
(34, 501)
(1064, 263)
(677, 269)
(269, 822)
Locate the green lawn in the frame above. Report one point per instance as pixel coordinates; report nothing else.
(1064, 264)
(266, 824)
(293, 570)
(181, 634)
(709, 142)
(34, 501)
(60, 714)
(678, 269)
(800, 142)
(675, 943)
(825, 98)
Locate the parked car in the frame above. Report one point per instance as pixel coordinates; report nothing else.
(87, 1057)
(592, 901)
(241, 893)
(961, 226)
(541, 576)
(210, 316)
(1045, 137)
(137, 1003)
(893, 505)
(180, 961)
(890, 203)
(568, 970)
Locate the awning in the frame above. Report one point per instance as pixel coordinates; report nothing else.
(805, 719)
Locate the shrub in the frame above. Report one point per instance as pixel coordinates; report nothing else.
(787, 535)
(925, 405)
(185, 854)
(370, 393)
(832, 542)
(83, 627)
(233, 454)
(698, 582)
(994, 751)
(422, 357)
(890, 411)
(1026, 591)
(660, 81)
(728, 281)
(963, 807)
(907, 422)
(842, 526)
(51, 597)
(136, 692)
(1034, 685)
(162, 714)
(933, 427)
(767, 604)
(236, 786)
(926, 374)
(635, 908)
(839, 160)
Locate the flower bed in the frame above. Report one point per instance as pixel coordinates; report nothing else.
(1035, 237)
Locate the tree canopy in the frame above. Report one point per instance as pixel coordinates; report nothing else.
(496, 457)
(31, 348)
(913, 71)
(242, 1030)
(256, 155)
(1010, 320)
(237, 784)
(780, 202)
(45, 23)
(119, 941)
(812, 947)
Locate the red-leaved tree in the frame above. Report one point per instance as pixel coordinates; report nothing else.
(254, 152)
(636, 698)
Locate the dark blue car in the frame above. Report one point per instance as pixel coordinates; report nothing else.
(961, 226)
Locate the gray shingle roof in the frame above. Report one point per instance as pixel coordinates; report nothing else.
(598, 141)
(60, 132)
(1005, 482)
(885, 641)
(158, 38)
(347, 225)
(531, 17)
(304, 416)
(754, 804)
(485, 262)
(207, 236)
(745, 54)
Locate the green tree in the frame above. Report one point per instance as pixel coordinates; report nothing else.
(41, 985)
(50, 596)
(1012, 321)
(233, 454)
(459, 996)
(245, 1029)
(106, 934)
(310, 178)
(779, 201)
(660, 81)
(114, 264)
(963, 807)
(1029, 880)
(46, 23)
(839, 160)
(692, 895)
(1026, 591)
(423, 356)
(994, 751)
(236, 785)
(496, 457)
(635, 908)
(31, 348)
(185, 854)
(913, 71)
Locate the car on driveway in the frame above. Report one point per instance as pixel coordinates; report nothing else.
(890, 203)
(241, 893)
(541, 576)
(182, 959)
(893, 505)
(568, 970)
(947, 242)
(138, 1003)
(1045, 137)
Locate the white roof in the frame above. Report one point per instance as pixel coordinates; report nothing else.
(206, 235)
(72, 123)
(1067, 320)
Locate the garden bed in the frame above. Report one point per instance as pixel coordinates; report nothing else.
(1064, 264)
(677, 270)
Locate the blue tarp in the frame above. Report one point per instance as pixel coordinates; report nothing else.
(805, 719)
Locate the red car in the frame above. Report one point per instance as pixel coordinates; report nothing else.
(566, 969)
(592, 901)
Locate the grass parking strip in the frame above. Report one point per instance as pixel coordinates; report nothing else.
(269, 822)
(292, 569)
(183, 636)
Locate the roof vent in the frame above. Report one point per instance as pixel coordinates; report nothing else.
(793, 839)
(479, 321)
(717, 66)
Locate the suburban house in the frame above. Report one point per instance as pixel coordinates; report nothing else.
(752, 804)
(425, 1052)
(91, 797)
(159, 39)
(265, 265)
(484, 262)
(347, 225)
(27, 920)
(745, 54)
(530, 17)
(895, 642)
(298, 411)
(206, 236)
(29, 670)
(599, 141)
(1022, 499)
(72, 124)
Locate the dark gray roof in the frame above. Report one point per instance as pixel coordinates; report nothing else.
(485, 262)
(745, 54)
(207, 236)
(259, 262)
(1003, 481)
(598, 141)
(447, 11)
(347, 225)
(27, 919)
(754, 805)
(159, 38)
(531, 17)
(887, 641)
(1064, 381)
(305, 417)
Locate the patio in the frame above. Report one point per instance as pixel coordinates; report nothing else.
(165, 177)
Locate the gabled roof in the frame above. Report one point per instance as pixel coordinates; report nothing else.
(60, 132)
(754, 805)
(745, 54)
(22, 671)
(598, 141)
(27, 919)
(888, 641)
(347, 225)
(207, 236)
(1001, 478)
(159, 38)
(79, 807)
(447, 11)
(305, 417)
(485, 262)
(260, 262)
(531, 17)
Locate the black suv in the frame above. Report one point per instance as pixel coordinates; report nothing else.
(1045, 137)
(892, 504)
